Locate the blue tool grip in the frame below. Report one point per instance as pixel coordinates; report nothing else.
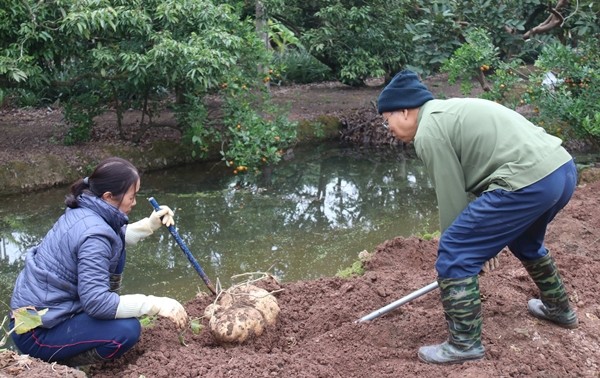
(185, 249)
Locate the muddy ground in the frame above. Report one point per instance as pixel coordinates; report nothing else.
(316, 334)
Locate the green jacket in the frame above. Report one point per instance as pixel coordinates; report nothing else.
(472, 145)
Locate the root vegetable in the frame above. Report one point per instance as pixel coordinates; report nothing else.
(241, 313)
(236, 324)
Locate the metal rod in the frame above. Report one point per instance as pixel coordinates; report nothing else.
(392, 306)
(185, 250)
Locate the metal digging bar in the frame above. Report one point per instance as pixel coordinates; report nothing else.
(185, 250)
(394, 305)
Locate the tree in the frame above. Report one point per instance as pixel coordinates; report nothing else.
(129, 52)
(359, 40)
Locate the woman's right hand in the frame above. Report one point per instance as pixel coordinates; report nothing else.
(136, 305)
(173, 310)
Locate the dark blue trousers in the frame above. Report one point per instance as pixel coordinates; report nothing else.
(110, 338)
(80, 333)
(500, 218)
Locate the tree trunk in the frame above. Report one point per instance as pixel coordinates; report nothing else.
(261, 29)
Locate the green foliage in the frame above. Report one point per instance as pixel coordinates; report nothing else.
(571, 106)
(6, 333)
(148, 321)
(196, 325)
(192, 115)
(357, 269)
(587, 23)
(298, 66)
(150, 55)
(79, 112)
(24, 97)
(27, 318)
(504, 22)
(429, 235)
(506, 84)
(435, 35)
(254, 132)
(471, 60)
(440, 26)
(141, 55)
(281, 37)
(124, 50)
(359, 40)
(257, 133)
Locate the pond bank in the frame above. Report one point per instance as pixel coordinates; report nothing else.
(32, 156)
(43, 169)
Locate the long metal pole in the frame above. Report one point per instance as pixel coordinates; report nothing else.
(394, 305)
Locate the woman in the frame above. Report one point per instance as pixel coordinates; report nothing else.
(521, 178)
(75, 273)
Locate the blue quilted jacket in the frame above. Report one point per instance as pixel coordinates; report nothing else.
(70, 270)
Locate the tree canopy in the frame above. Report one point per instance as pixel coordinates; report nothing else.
(91, 55)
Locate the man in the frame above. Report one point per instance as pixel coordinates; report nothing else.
(521, 177)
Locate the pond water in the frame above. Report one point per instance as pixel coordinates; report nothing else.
(310, 218)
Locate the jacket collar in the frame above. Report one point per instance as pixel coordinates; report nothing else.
(113, 216)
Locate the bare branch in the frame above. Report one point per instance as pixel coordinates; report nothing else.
(554, 20)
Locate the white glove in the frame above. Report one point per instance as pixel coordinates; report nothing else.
(166, 214)
(173, 310)
(136, 305)
(134, 232)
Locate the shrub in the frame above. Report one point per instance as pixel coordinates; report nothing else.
(570, 104)
(300, 67)
(472, 60)
(257, 133)
(79, 113)
(253, 132)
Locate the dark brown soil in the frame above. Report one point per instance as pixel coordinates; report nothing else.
(316, 334)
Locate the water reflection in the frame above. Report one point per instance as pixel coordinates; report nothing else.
(307, 218)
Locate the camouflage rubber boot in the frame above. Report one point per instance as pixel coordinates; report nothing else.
(462, 309)
(88, 357)
(553, 304)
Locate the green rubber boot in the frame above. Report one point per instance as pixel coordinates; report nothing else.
(553, 304)
(462, 309)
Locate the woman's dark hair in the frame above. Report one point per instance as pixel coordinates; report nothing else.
(114, 174)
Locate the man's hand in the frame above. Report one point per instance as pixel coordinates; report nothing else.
(491, 264)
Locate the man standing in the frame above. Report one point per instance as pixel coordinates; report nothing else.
(521, 178)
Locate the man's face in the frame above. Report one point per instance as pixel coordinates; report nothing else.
(402, 123)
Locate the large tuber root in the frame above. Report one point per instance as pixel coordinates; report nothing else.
(240, 313)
